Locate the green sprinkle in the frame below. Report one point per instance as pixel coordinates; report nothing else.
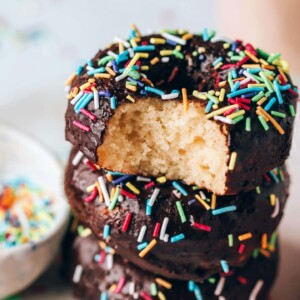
(255, 253)
(237, 119)
(212, 98)
(278, 114)
(273, 57)
(153, 289)
(242, 54)
(258, 191)
(292, 110)
(281, 175)
(263, 123)
(134, 74)
(235, 58)
(266, 81)
(115, 199)
(267, 94)
(212, 280)
(230, 80)
(273, 239)
(178, 54)
(104, 60)
(262, 53)
(258, 96)
(131, 83)
(195, 53)
(230, 240)
(248, 124)
(181, 212)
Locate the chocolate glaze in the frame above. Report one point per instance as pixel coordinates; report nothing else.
(199, 254)
(97, 278)
(258, 151)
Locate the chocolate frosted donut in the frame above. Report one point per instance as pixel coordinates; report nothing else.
(214, 113)
(170, 228)
(101, 275)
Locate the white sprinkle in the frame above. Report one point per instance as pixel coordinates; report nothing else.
(173, 38)
(77, 97)
(120, 198)
(142, 234)
(89, 68)
(23, 220)
(77, 158)
(276, 209)
(109, 261)
(247, 74)
(121, 77)
(131, 53)
(222, 298)
(220, 286)
(244, 81)
(176, 193)
(104, 190)
(111, 53)
(219, 38)
(164, 228)
(96, 99)
(190, 61)
(109, 64)
(67, 88)
(223, 119)
(259, 284)
(154, 196)
(165, 59)
(136, 295)
(166, 238)
(119, 40)
(131, 288)
(140, 178)
(77, 273)
(202, 195)
(170, 96)
(192, 220)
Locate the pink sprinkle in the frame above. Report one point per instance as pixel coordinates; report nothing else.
(145, 296)
(120, 285)
(229, 111)
(88, 114)
(81, 126)
(126, 222)
(149, 185)
(91, 165)
(251, 49)
(241, 105)
(202, 226)
(102, 257)
(127, 194)
(241, 248)
(92, 196)
(228, 66)
(156, 230)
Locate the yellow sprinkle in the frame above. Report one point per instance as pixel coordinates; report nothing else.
(178, 48)
(272, 199)
(121, 48)
(264, 253)
(133, 43)
(102, 75)
(263, 62)
(213, 201)
(70, 79)
(84, 86)
(222, 83)
(282, 74)
(206, 206)
(256, 85)
(215, 106)
(211, 92)
(222, 94)
(112, 193)
(86, 232)
(253, 57)
(217, 66)
(75, 91)
(264, 241)
(102, 245)
(132, 88)
(185, 99)
(110, 71)
(134, 27)
(144, 68)
(161, 296)
(245, 236)
(220, 111)
(232, 161)
(166, 52)
(154, 60)
(132, 188)
(91, 80)
(236, 114)
(70, 96)
(201, 50)
(272, 120)
(199, 95)
(163, 283)
(112, 288)
(250, 66)
(143, 55)
(157, 41)
(109, 177)
(161, 179)
(226, 45)
(97, 184)
(262, 100)
(145, 251)
(130, 98)
(187, 36)
(132, 62)
(90, 188)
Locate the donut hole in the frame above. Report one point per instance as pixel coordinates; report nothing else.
(157, 138)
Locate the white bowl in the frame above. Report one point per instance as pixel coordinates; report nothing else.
(21, 156)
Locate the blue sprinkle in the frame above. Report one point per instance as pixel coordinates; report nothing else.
(179, 188)
(154, 90)
(115, 173)
(224, 266)
(234, 73)
(233, 46)
(139, 83)
(83, 103)
(205, 35)
(115, 66)
(144, 48)
(90, 63)
(104, 94)
(191, 201)
(143, 92)
(121, 179)
(121, 59)
(104, 296)
(106, 231)
(148, 209)
(223, 210)
(241, 71)
(218, 60)
(79, 70)
(177, 238)
(97, 257)
(254, 70)
(99, 70)
(113, 102)
(134, 68)
(236, 86)
(285, 87)
(243, 91)
(172, 43)
(208, 106)
(249, 95)
(197, 292)
(270, 104)
(275, 178)
(191, 285)
(278, 93)
(142, 246)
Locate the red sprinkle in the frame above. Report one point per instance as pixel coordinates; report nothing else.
(241, 248)
(173, 74)
(242, 280)
(102, 257)
(267, 178)
(120, 285)
(149, 185)
(92, 196)
(127, 194)
(232, 101)
(228, 66)
(88, 114)
(251, 49)
(202, 226)
(91, 165)
(145, 296)
(242, 61)
(81, 126)
(230, 273)
(156, 230)
(229, 111)
(126, 222)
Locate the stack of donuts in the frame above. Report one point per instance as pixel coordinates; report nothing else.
(177, 172)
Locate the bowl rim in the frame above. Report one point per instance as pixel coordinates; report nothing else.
(63, 216)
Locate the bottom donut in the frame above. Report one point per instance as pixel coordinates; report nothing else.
(100, 274)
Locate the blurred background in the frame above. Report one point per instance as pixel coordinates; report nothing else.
(43, 41)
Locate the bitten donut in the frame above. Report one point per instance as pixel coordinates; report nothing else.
(170, 228)
(98, 274)
(212, 112)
